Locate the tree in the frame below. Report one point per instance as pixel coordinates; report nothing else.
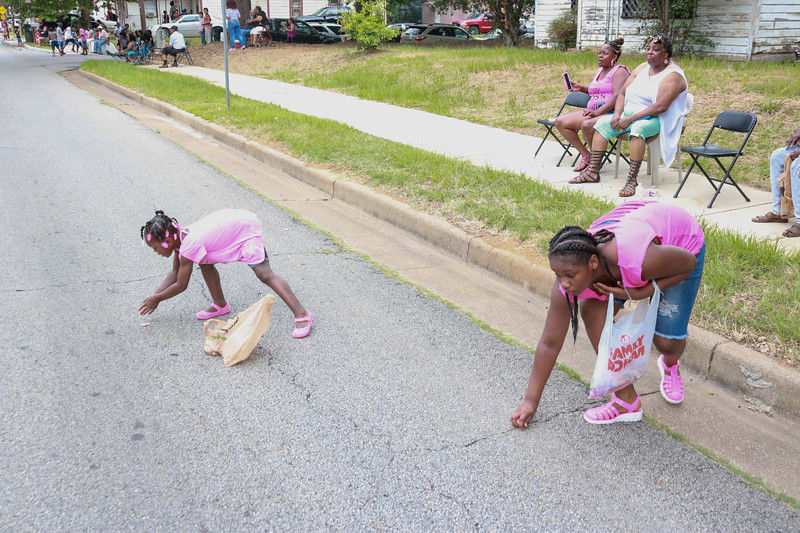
(366, 26)
(507, 13)
(674, 18)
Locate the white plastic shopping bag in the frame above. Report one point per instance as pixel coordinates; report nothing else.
(624, 346)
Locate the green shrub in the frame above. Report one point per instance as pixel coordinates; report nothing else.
(367, 27)
(564, 29)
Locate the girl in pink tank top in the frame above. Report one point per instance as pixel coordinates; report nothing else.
(621, 255)
(224, 236)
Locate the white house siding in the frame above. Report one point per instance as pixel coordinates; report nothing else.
(546, 11)
(778, 29)
(740, 28)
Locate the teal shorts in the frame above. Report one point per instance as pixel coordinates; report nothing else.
(644, 128)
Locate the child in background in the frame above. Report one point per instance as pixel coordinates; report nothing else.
(225, 236)
(19, 37)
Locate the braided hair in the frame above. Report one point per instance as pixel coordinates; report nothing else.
(158, 226)
(579, 243)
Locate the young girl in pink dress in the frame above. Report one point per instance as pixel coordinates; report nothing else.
(621, 255)
(225, 236)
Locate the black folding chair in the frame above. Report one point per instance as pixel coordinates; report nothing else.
(576, 99)
(736, 121)
(579, 100)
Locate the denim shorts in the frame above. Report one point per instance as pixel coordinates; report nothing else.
(677, 302)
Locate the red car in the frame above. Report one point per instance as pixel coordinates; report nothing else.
(477, 22)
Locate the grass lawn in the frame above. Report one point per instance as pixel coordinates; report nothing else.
(747, 283)
(513, 87)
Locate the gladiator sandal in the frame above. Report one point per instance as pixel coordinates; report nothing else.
(630, 184)
(591, 174)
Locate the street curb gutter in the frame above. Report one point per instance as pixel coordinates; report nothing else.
(763, 384)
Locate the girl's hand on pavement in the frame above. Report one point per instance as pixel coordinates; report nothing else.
(148, 305)
(524, 413)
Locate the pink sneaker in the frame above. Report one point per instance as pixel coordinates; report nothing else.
(608, 412)
(298, 332)
(671, 382)
(205, 315)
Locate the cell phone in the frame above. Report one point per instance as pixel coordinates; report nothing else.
(567, 83)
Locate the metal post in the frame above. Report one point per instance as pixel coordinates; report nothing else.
(225, 51)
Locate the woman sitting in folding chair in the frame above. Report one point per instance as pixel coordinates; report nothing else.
(603, 91)
(654, 101)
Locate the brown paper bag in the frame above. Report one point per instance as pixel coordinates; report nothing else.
(785, 183)
(235, 339)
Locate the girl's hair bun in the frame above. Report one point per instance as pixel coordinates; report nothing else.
(619, 41)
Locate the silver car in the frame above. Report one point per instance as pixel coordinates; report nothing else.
(433, 33)
(188, 25)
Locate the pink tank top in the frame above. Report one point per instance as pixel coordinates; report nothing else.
(601, 90)
(635, 225)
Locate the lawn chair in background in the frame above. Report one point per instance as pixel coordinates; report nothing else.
(184, 55)
(735, 121)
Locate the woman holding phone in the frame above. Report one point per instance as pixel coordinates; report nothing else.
(602, 91)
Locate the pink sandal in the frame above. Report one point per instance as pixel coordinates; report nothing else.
(205, 315)
(608, 413)
(671, 382)
(299, 333)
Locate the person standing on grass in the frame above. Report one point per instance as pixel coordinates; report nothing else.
(621, 256)
(602, 91)
(290, 29)
(777, 161)
(205, 27)
(177, 45)
(234, 27)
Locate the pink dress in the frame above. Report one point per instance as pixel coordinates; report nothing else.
(601, 90)
(224, 236)
(635, 225)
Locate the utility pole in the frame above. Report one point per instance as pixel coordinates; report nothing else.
(225, 51)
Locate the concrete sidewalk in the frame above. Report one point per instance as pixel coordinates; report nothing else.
(500, 149)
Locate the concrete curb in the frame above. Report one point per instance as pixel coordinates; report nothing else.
(762, 383)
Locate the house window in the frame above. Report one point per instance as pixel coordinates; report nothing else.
(296, 8)
(646, 9)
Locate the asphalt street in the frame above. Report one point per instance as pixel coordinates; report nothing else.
(392, 414)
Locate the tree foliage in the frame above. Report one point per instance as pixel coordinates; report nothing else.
(507, 13)
(366, 25)
(563, 29)
(55, 9)
(675, 18)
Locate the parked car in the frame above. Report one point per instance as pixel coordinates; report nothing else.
(188, 25)
(326, 14)
(304, 33)
(434, 33)
(401, 27)
(527, 27)
(329, 28)
(482, 23)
